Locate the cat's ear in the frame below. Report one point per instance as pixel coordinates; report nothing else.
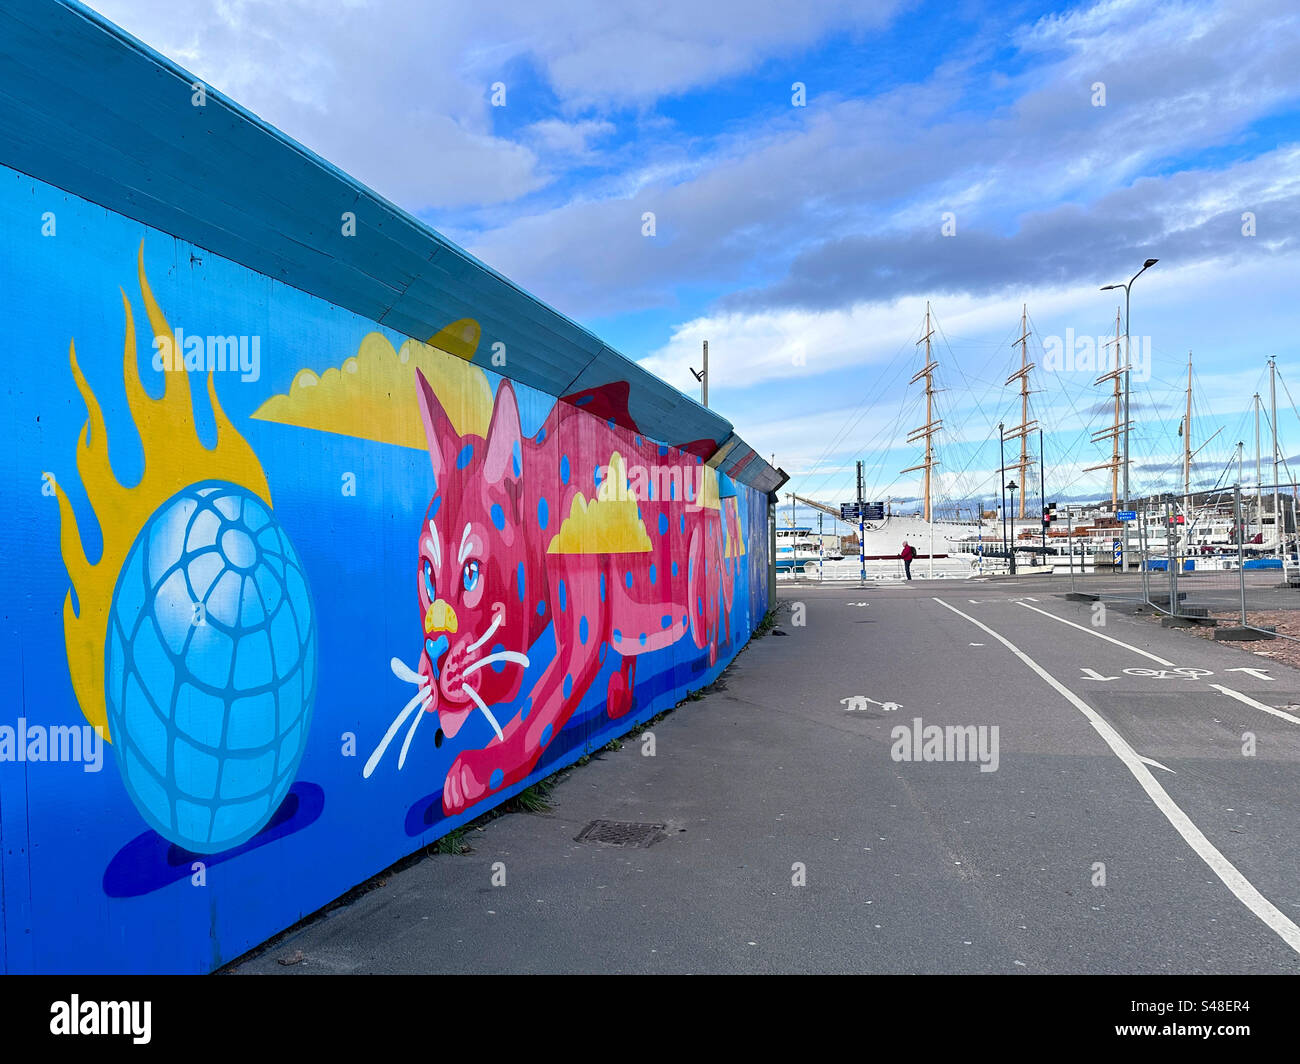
(503, 441)
(437, 428)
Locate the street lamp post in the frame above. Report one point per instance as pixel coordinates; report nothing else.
(1011, 487)
(1002, 487)
(1127, 346)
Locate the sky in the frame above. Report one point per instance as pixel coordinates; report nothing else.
(817, 173)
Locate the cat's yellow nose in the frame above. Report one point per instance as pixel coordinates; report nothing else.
(439, 617)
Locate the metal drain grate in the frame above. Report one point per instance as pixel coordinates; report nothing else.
(616, 833)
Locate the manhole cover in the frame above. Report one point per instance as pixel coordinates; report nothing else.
(617, 833)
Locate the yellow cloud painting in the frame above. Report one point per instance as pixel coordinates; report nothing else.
(372, 394)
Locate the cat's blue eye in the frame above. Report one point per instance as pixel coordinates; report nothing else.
(471, 575)
(426, 574)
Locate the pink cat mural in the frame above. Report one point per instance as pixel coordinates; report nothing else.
(619, 543)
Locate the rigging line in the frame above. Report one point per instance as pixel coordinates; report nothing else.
(894, 360)
(811, 488)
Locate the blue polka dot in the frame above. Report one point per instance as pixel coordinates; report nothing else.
(674, 568)
(466, 456)
(663, 524)
(498, 778)
(498, 517)
(568, 686)
(618, 636)
(582, 631)
(602, 587)
(666, 621)
(683, 524)
(652, 491)
(627, 579)
(546, 735)
(543, 512)
(564, 469)
(637, 440)
(563, 597)
(686, 619)
(517, 459)
(498, 666)
(672, 488)
(699, 605)
(595, 476)
(519, 580)
(653, 574)
(643, 638)
(662, 450)
(436, 506)
(541, 609)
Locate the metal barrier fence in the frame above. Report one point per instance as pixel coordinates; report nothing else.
(1176, 562)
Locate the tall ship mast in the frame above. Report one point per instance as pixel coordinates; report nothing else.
(1026, 426)
(926, 432)
(1112, 433)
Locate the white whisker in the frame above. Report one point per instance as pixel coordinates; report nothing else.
(483, 709)
(388, 735)
(502, 655)
(464, 546)
(404, 672)
(401, 758)
(496, 623)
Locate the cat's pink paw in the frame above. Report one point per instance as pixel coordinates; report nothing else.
(468, 780)
(618, 699)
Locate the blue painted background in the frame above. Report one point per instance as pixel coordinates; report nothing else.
(86, 887)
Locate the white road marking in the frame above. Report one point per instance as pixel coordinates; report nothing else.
(1099, 635)
(1245, 891)
(1257, 673)
(1251, 702)
(1093, 674)
(1157, 764)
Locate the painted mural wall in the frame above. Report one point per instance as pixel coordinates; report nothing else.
(287, 595)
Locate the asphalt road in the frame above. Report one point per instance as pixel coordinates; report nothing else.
(1141, 818)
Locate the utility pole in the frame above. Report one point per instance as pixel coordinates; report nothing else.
(703, 376)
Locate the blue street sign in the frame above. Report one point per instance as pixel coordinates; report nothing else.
(1126, 515)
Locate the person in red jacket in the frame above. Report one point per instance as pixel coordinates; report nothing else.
(909, 552)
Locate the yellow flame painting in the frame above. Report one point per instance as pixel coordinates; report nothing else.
(173, 457)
